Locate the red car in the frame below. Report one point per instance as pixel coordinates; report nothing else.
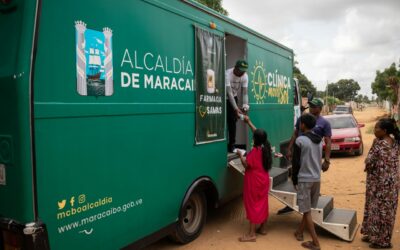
(346, 134)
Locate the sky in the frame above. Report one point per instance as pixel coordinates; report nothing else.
(331, 39)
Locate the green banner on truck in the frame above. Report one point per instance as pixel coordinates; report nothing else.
(210, 87)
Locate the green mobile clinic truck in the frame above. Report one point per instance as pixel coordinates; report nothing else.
(112, 119)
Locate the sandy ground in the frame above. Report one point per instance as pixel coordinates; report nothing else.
(345, 181)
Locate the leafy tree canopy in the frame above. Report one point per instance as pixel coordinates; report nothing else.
(215, 5)
(366, 99)
(386, 83)
(320, 94)
(344, 89)
(333, 101)
(362, 99)
(306, 85)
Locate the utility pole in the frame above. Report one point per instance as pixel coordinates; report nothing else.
(326, 98)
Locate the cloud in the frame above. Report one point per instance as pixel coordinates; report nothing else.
(363, 31)
(332, 39)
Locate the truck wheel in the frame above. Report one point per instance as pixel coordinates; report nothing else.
(360, 151)
(191, 219)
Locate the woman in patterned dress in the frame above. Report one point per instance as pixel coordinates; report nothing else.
(382, 187)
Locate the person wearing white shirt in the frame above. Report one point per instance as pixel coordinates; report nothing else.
(236, 78)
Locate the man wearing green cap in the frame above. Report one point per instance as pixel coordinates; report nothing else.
(236, 78)
(322, 128)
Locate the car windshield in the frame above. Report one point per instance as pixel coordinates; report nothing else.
(342, 122)
(342, 109)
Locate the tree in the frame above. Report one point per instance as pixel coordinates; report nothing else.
(358, 99)
(305, 85)
(320, 94)
(366, 99)
(386, 84)
(333, 101)
(333, 89)
(215, 5)
(344, 89)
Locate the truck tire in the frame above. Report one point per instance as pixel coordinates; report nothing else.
(360, 151)
(191, 219)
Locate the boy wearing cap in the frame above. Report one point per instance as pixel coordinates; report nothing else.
(322, 128)
(236, 78)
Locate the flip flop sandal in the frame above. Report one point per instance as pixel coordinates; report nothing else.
(262, 232)
(376, 246)
(299, 237)
(310, 245)
(365, 239)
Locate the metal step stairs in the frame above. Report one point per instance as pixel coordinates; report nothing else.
(340, 222)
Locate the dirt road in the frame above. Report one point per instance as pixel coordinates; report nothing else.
(345, 181)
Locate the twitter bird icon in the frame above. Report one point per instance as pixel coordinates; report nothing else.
(61, 204)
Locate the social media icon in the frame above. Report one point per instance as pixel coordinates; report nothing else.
(72, 201)
(82, 198)
(61, 204)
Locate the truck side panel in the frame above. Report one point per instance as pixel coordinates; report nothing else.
(16, 29)
(273, 111)
(113, 169)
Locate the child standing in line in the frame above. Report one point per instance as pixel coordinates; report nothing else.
(256, 182)
(308, 179)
